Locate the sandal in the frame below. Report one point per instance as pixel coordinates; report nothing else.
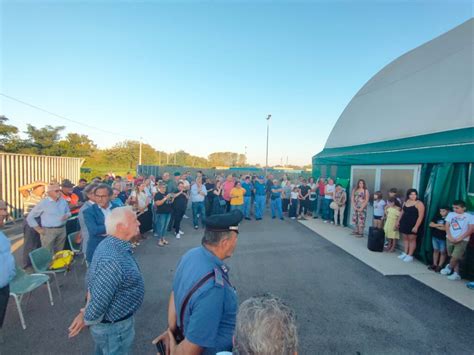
(165, 242)
(161, 244)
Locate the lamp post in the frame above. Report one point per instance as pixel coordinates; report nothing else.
(140, 153)
(268, 130)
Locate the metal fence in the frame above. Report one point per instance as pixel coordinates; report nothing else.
(156, 171)
(21, 169)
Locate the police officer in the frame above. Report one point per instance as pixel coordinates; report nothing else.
(203, 304)
(260, 193)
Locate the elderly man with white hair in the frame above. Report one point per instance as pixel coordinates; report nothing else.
(115, 287)
(52, 213)
(265, 326)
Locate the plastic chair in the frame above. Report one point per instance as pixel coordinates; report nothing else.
(76, 247)
(40, 260)
(23, 284)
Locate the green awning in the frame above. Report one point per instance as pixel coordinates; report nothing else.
(456, 146)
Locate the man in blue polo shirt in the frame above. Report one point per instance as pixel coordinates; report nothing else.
(203, 303)
(247, 185)
(260, 193)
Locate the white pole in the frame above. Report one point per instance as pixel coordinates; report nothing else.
(140, 153)
(268, 131)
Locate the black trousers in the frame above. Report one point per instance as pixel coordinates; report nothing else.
(4, 296)
(304, 206)
(32, 241)
(177, 217)
(208, 203)
(284, 204)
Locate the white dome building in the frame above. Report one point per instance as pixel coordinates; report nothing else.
(411, 125)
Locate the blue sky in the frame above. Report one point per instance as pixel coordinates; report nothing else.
(202, 76)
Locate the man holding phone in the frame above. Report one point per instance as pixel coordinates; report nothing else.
(203, 304)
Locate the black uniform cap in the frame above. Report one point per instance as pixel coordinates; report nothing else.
(224, 222)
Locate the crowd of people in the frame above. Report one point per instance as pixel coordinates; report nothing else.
(114, 215)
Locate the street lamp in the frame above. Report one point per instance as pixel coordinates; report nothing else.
(268, 130)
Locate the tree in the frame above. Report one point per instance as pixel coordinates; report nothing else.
(8, 135)
(127, 153)
(227, 159)
(77, 145)
(43, 140)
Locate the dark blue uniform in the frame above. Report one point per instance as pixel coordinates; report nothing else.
(209, 317)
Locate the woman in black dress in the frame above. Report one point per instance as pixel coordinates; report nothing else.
(218, 207)
(409, 222)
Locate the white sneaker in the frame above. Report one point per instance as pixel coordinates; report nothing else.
(408, 259)
(178, 236)
(185, 217)
(454, 276)
(181, 232)
(402, 256)
(332, 222)
(446, 271)
(293, 217)
(325, 221)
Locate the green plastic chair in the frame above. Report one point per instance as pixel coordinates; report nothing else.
(40, 260)
(75, 247)
(23, 284)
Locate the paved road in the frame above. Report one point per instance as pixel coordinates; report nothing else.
(342, 305)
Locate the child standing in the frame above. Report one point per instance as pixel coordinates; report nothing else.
(438, 238)
(391, 233)
(294, 202)
(379, 210)
(393, 193)
(459, 226)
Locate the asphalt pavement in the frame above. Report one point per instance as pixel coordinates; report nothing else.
(342, 305)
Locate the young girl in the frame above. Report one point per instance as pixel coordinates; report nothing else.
(379, 210)
(293, 202)
(391, 232)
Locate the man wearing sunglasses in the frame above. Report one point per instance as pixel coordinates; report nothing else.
(49, 218)
(203, 304)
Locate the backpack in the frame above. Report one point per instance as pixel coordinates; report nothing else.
(62, 259)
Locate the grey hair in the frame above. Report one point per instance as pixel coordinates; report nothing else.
(265, 326)
(110, 192)
(214, 238)
(89, 189)
(115, 217)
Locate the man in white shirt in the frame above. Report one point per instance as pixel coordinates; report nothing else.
(459, 227)
(198, 194)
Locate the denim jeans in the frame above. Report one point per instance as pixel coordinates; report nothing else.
(237, 207)
(198, 210)
(277, 208)
(259, 206)
(113, 338)
(293, 208)
(246, 209)
(161, 224)
(319, 205)
(328, 213)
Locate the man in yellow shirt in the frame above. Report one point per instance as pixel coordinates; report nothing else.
(237, 197)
